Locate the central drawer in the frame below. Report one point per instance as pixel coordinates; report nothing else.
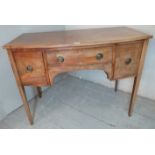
(80, 57)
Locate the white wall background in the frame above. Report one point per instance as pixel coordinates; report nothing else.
(147, 87)
(9, 95)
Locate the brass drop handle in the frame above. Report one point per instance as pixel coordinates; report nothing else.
(29, 68)
(99, 56)
(60, 59)
(128, 61)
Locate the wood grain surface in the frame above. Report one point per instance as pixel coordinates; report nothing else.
(37, 58)
(33, 59)
(77, 38)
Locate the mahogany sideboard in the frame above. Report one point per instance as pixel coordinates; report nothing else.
(37, 58)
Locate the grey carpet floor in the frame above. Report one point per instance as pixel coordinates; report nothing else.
(78, 104)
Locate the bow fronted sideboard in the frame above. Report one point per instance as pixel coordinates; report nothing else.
(37, 58)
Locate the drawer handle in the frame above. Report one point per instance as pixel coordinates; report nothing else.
(99, 56)
(60, 59)
(128, 61)
(29, 68)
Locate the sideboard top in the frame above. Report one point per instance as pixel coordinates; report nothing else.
(77, 38)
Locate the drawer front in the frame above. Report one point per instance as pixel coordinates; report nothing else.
(30, 66)
(80, 57)
(127, 59)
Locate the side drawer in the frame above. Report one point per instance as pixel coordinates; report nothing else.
(127, 59)
(30, 66)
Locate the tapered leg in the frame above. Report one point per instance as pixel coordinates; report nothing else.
(39, 91)
(137, 79)
(134, 94)
(25, 103)
(116, 85)
(20, 87)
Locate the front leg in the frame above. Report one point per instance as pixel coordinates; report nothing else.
(20, 88)
(25, 103)
(137, 79)
(134, 94)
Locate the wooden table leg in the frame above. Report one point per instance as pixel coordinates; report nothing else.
(20, 87)
(116, 85)
(137, 79)
(26, 104)
(39, 91)
(134, 94)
